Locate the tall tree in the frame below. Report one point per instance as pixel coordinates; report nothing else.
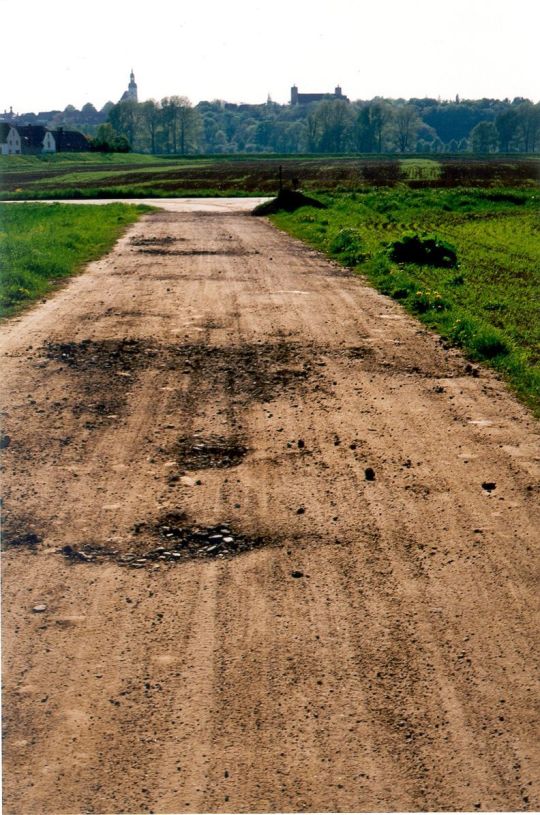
(364, 130)
(407, 124)
(335, 125)
(151, 120)
(507, 123)
(124, 119)
(484, 138)
(381, 117)
(528, 126)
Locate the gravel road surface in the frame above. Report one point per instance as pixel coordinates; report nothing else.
(268, 544)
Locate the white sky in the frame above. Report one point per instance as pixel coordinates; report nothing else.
(66, 52)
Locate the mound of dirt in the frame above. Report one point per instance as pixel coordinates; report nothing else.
(289, 201)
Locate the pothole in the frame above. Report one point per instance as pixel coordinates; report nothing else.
(182, 541)
(197, 453)
(177, 541)
(154, 241)
(155, 250)
(102, 355)
(26, 540)
(255, 371)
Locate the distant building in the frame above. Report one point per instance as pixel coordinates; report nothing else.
(36, 139)
(70, 141)
(10, 141)
(307, 98)
(8, 115)
(131, 94)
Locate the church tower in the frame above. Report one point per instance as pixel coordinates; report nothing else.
(132, 87)
(131, 93)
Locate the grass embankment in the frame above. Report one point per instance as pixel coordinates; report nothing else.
(488, 303)
(41, 244)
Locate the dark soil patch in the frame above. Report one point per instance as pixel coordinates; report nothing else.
(182, 541)
(171, 539)
(198, 252)
(89, 553)
(27, 540)
(105, 371)
(257, 372)
(287, 201)
(19, 531)
(197, 453)
(152, 241)
(357, 352)
(92, 355)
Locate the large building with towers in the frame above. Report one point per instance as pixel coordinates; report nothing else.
(307, 98)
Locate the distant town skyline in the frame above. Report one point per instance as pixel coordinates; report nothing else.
(244, 51)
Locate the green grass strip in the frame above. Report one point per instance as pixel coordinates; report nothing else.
(488, 304)
(42, 244)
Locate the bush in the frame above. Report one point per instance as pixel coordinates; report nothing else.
(427, 251)
(347, 244)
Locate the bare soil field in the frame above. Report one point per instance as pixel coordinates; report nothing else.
(247, 175)
(268, 544)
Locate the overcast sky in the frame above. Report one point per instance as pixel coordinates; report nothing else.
(61, 53)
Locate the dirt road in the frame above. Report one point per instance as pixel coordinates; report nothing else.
(284, 540)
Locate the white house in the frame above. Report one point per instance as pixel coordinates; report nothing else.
(10, 140)
(36, 139)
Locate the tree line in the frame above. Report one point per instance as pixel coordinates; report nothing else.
(173, 125)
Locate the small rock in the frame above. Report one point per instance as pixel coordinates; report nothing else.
(297, 574)
(228, 540)
(300, 511)
(39, 609)
(471, 370)
(489, 486)
(5, 441)
(369, 474)
(301, 444)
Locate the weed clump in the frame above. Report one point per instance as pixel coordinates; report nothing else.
(428, 300)
(347, 244)
(484, 342)
(425, 251)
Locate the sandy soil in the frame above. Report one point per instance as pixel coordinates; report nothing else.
(283, 537)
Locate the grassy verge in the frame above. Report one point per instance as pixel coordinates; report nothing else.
(133, 191)
(488, 303)
(41, 244)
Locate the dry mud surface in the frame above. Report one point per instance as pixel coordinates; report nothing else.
(268, 545)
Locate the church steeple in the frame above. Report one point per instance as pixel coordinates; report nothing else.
(132, 88)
